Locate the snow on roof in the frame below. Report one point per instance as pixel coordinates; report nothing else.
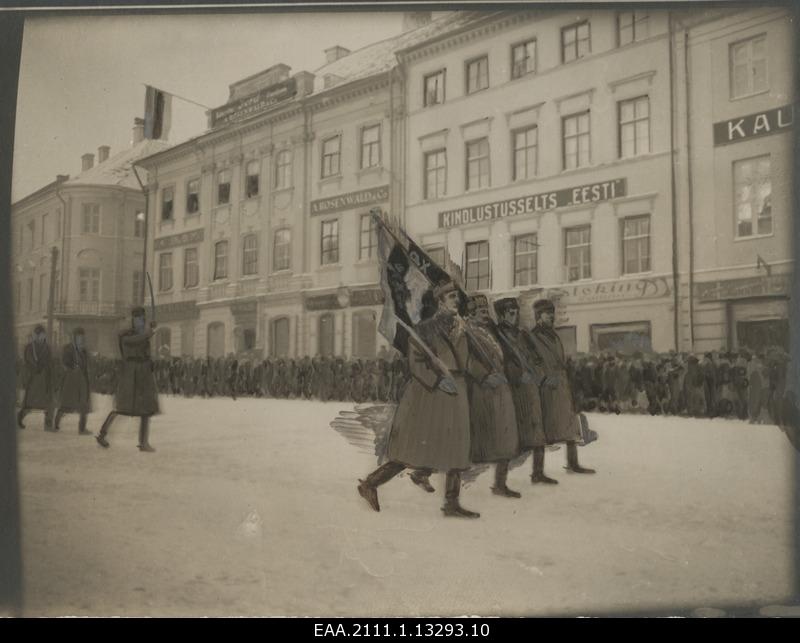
(380, 56)
(117, 169)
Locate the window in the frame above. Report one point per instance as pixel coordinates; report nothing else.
(575, 42)
(45, 220)
(370, 146)
(526, 249)
(477, 268)
(752, 196)
(251, 179)
(165, 271)
(435, 174)
(138, 225)
(167, 204)
(250, 255)
(331, 156)
(364, 334)
(193, 196)
(32, 234)
(89, 284)
(248, 341)
(30, 294)
(477, 74)
(576, 140)
(635, 244)
(632, 26)
(634, 126)
(282, 249)
(578, 253)
(434, 88)
(478, 164)
(221, 260)
(43, 294)
(191, 269)
(748, 62)
(283, 169)
(136, 287)
(91, 218)
(525, 143)
(523, 59)
(223, 187)
(368, 237)
(330, 242)
(437, 254)
(327, 334)
(280, 337)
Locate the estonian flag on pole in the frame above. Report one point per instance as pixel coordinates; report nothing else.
(157, 113)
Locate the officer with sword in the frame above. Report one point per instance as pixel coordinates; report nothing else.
(137, 395)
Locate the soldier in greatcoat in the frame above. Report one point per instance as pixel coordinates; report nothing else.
(493, 422)
(558, 409)
(136, 390)
(38, 380)
(75, 394)
(525, 374)
(430, 430)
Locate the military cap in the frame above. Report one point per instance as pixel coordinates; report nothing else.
(443, 288)
(478, 300)
(138, 311)
(38, 328)
(501, 306)
(541, 305)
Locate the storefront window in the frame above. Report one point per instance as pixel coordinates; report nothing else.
(622, 338)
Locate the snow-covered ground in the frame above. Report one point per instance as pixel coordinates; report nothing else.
(250, 507)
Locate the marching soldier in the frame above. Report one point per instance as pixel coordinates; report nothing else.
(38, 379)
(430, 430)
(136, 391)
(75, 394)
(557, 406)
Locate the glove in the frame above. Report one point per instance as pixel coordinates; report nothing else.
(494, 380)
(448, 385)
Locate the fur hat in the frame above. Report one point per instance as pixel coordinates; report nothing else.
(501, 306)
(542, 305)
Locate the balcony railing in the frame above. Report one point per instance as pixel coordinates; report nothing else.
(93, 308)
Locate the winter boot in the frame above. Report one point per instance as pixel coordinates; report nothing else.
(21, 416)
(421, 478)
(101, 437)
(538, 468)
(144, 435)
(368, 489)
(500, 487)
(452, 508)
(572, 460)
(82, 430)
(57, 421)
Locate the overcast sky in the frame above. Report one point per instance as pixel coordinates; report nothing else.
(81, 78)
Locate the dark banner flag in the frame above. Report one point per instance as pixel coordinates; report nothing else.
(157, 113)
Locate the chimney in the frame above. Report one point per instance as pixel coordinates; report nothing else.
(60, 178)
(415, 19)
(138, 130)
(305, 83)
(87, 161)
(102, 153)
(332, 54)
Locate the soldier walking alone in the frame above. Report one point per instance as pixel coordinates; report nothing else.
(75, 393)
(38, 380)
(136, 392)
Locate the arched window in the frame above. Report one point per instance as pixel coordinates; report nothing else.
(216, 340)
(280, 337)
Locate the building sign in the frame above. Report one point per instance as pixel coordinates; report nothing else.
(251, 105)
(182, 239)
(366, 297)
(350, 200)
(177, 311)
(620, 290)
(744, 288)
(579, 195)
(753, 125)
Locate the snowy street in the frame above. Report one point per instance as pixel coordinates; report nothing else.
(251, 508)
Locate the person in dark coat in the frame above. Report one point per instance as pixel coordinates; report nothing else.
(430, 430)
(561, 423)
(709, 384)
(75, 393)
(38, 381)
(136, 391)
(524, 372)
(493, 423)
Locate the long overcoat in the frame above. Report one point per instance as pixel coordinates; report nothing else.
(558, 410)
(525, 391)
(75, 395)
(430, 429)
(492, 420)
(136, 390)
(38, 377)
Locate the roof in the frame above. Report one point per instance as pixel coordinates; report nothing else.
(117, 169)
(380, 56)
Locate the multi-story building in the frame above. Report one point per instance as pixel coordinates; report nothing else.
(539, 158)
(736, 72)
(261, 237)
(78, 249)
